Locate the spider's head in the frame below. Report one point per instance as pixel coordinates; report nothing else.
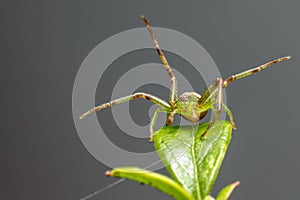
(189, 107)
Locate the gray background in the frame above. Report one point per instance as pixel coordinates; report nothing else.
(44, 42)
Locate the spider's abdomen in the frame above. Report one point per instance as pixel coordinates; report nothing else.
(189, 107)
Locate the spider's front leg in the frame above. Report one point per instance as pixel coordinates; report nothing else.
(173, 83)
(141, 95)
(216, 90)
(253, 71)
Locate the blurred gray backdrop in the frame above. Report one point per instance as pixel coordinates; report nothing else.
(43, 44)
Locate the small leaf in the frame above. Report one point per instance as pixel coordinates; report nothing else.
(209, 198)
(152, 179)
(226, 192)
(194, 162)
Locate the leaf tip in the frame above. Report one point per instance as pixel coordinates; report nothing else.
(237, 183)
(108, 173)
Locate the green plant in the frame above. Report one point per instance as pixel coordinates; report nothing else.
(193, 161)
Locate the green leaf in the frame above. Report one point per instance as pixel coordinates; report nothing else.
(194, 162)
(226, 192)
(209, 198)
(152, 179)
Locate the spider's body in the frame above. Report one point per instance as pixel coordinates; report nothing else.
(189, 105)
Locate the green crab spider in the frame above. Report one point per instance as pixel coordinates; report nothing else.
(189, 105)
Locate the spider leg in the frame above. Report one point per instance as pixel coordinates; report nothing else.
(173, 84)
(218, 110)
(253, 71)
(208, 95)
(141, 95)
(171, 117)
(153, 121)
(230, 115)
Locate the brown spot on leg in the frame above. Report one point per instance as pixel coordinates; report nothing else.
(171, 118)
(169, 122)
(256, 70)
(203, 114)
(159, 51)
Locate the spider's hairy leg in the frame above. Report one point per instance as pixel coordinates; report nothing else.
(217, 111)
(228, 112)
(207, 100)
(141, 95)
(253, 71)
(173, 84)
(153, 121)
